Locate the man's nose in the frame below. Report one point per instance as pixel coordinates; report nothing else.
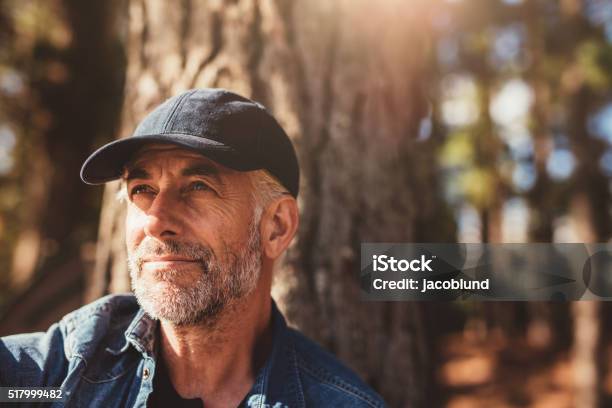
(162, 221)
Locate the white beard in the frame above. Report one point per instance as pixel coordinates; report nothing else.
(217, 286)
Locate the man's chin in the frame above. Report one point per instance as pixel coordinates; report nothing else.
(172, 307)
(159, 289)
(181, 277)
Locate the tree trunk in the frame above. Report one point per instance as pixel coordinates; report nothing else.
(586, 354)
(343, 78)
(589, 207)
(543, 199)
(69, 63)
(71, 97)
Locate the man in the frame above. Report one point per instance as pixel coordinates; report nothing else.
(210, 181)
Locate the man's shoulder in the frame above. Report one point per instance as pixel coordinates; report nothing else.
(108, 311)
(37, 358)
(93, 319)
(326, 380)
(105, 319)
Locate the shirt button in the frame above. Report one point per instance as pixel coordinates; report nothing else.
(145, 373)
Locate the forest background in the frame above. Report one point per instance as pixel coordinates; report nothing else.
(414, 120)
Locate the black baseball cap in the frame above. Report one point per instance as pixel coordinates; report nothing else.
(225, 127)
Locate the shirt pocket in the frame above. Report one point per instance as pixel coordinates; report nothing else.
(107, 366)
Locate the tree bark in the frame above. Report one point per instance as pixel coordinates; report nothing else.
(343, 78)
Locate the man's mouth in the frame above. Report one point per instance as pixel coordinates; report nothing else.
(168, 260)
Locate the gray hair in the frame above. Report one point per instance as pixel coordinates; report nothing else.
(122, 194)
(265, 188)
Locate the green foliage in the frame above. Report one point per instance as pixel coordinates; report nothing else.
(564, 56)
(595, 61)
(458, 151)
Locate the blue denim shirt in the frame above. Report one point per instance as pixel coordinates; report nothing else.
(104, 355)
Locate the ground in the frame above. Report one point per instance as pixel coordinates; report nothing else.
(502, 372)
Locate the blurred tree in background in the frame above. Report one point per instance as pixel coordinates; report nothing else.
(415, 121)
(61, 89)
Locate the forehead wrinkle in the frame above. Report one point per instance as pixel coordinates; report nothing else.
(195, 165)
(204, 170)
(131, 173)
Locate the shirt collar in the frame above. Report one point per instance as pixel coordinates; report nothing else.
(141, 333)
(277, 383)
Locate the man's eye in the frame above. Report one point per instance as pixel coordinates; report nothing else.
(139, 189)
(198, 185)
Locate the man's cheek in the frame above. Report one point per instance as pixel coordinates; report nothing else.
(134, 228)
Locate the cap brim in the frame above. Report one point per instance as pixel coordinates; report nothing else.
(107, 163)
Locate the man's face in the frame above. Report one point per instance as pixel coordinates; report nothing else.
(193, 245)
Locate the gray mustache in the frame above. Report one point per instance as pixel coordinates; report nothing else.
(196, 252)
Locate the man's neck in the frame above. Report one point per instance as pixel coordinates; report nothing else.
(218, 363)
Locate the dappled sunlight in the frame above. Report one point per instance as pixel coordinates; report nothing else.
(468, 371)
(459, 106)
(504, 373)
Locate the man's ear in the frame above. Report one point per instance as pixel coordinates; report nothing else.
(279, 224)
